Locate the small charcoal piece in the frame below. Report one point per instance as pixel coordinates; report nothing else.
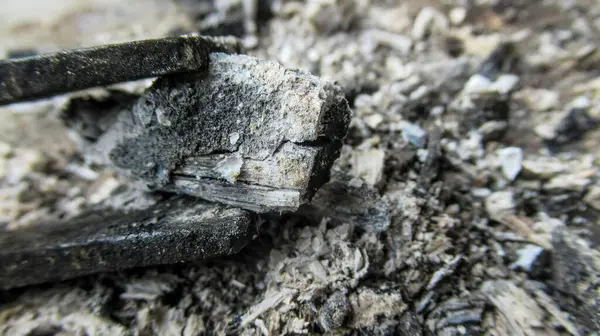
(431, 166)
(335, 310)
(175, 231)
(502, 59)
(16, 53)
(573, 126)
(517, 312)
(343, 202)
(246, 133)
(40, 76)
(576, 274)
(487, 107)
(409, 325)
(457, 313)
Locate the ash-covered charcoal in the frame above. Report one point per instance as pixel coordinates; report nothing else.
(455, 314)
(376, 312)
(227, 18)
(573, 126)
(559, 202)
(40, 76)
(409, 325)
(235, 18)
(348, 200)
(387, 327)
(422, 241)
(502, 59)
(415, 110)
(532, 259)
(516, 310)
(335, 310)
(486, 107)
(175, 231)
(248, 133)
(576, 277)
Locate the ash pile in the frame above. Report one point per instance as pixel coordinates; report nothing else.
(465, 199)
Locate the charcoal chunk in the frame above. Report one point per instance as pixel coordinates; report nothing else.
(174, 231)
(248, 133)
(40, 76)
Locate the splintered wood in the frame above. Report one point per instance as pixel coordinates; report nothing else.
(247, 133)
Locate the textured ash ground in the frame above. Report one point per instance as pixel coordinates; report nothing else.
(467, 247)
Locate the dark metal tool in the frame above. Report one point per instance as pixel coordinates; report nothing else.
(35, 77)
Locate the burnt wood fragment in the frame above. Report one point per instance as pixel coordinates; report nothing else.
(39, 76)
(346, 202)
(174, 231)
(431, 166)
(247, 133)
(576, 275)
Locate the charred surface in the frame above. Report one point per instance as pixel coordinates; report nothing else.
(41, 76)
(247, 133)
(175, 231)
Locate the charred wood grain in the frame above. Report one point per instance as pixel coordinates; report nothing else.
(175, 231)
(247, 133)
(576, 275)
(39, 76)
